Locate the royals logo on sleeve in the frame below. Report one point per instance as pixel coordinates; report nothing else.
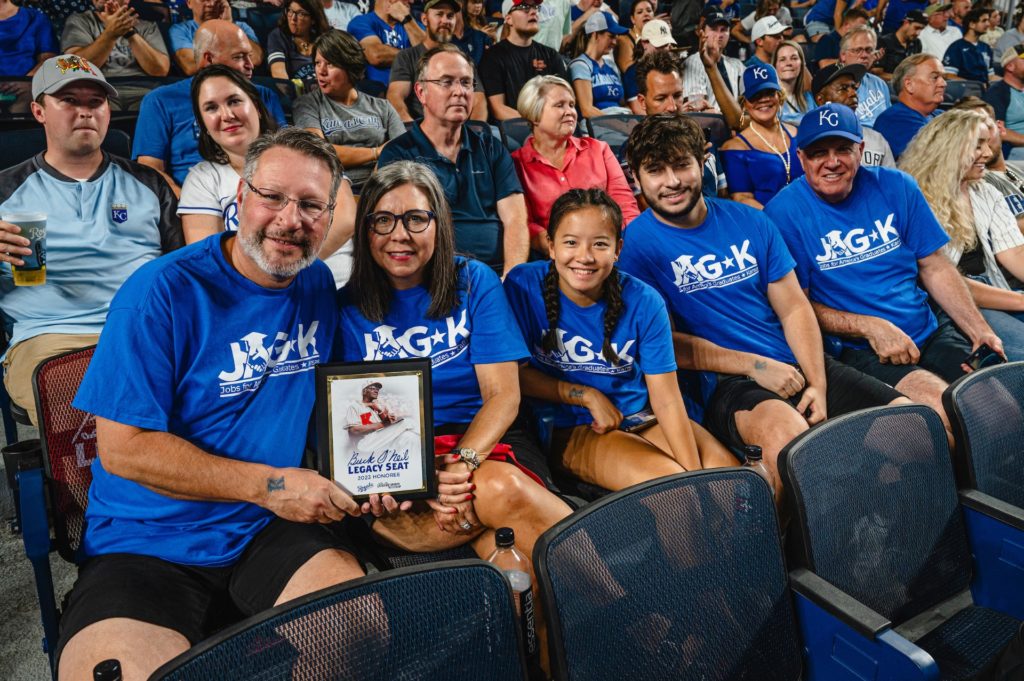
(840, 249)
(252, 360)
(693, 273)
(119, 212)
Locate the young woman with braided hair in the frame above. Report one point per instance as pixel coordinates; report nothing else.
(601, 349)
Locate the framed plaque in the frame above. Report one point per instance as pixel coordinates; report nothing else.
(375, 427)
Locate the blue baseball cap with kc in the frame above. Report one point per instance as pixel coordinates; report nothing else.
(829, 120)
(758, 78)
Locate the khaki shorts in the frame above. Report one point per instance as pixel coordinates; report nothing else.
(22, 360)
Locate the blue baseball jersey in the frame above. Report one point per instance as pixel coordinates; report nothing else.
(642, 339)
(604, 80)
(370, 24)
(193, 348)
(860, 254)
(715, 276)
(972, 61)
(481, 330)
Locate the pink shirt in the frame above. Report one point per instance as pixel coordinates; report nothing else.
(588, 163)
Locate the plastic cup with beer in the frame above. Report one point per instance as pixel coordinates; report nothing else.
(33, 228)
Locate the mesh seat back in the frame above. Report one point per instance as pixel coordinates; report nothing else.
(515, 131)
(454, 621)
(68, 437)
(988, 415)
(681, 577)
(877, 511)
(613, 129)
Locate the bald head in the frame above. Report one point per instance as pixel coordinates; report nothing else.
(221, 42)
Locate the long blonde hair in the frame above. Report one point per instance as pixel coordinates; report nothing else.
(939, 157)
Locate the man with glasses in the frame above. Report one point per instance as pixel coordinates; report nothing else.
(839, 84)
(859, 47)
(507, 66)
(383, 33)
(439, 17)
(202, 387)
(476, 171)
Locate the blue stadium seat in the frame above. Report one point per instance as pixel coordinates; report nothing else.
(514, 132)
(439, 622)
(986, 408)
(677, 578)
(876, 519)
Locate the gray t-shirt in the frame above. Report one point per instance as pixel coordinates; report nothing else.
(403, 69)
(85, 27)
(370, 122)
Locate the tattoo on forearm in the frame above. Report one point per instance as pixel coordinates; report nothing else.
(275, 484)
(760, 365)
(576, 394)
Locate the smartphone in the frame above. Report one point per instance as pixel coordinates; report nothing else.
(638, 421)
(983, 357)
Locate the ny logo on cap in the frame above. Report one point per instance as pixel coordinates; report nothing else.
(663, 30)
(73, 62)
(830, 117)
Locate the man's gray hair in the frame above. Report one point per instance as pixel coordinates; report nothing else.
(296, 139)
(203, 41)
(908, 69)
(867, 30)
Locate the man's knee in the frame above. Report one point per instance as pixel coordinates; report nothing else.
(770, 425)
(326, 568)
(139, 646)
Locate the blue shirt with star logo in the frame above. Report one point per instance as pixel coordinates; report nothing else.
(481, 330)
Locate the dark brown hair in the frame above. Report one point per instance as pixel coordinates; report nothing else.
(660, 62)
(664, 138)
(315, 8)
(208, 149)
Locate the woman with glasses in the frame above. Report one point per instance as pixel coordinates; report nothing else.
(290, 45)
(411, 296)
(947, 157)
(761, 159)
(598, 86)
(552, 160)
(230, 116)
(357, 124)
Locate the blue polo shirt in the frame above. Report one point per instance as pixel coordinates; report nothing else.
(972, 61)
(898, 125)
(482, 175)
(167, 128)
(23, 37)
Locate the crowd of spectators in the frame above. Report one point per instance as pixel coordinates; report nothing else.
(792, 209)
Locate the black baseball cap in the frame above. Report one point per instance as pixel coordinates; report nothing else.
(916, 16)
(714, 16)
(828, 74)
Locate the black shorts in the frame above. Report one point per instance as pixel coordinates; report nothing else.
(942, 353)
(847, 390)
(195, 601)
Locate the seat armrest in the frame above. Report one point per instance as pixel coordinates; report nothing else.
(838, 603)
(994, 508)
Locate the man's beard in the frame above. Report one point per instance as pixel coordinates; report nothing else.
(252, 246)
(674, 215)
(445, 36)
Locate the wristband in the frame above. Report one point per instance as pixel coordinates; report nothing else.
(131, 33)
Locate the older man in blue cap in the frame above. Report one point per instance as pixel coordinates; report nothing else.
(863, 238)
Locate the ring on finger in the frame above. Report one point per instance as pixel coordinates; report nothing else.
(466, 525)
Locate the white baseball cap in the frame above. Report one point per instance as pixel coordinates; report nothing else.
(657, 33)
(767, 26)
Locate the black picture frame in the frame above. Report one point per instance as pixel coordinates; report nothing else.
(363, 468)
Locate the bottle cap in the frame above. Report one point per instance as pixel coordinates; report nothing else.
(108, 670)
(752, 452)
(504, 537)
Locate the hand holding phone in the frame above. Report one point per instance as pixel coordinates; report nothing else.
(983, 357)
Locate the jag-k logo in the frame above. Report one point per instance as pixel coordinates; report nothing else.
(119, 212)
(857, 245)
(711, 271)
(582, 354)
(253, 360)
(441, 344)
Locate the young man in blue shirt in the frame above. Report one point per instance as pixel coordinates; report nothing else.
(476, 172)
(202, 388)
(969, 58)
(735, 303)
(863, 238)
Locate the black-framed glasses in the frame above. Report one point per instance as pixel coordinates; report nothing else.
(383, 222)
(448, 83)
(297, 13)
(310, 209)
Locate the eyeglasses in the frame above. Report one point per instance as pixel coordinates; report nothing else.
(449, 83)
(298, 14)
(524, 8)
(310, 209)
(415, 221)
(860, 50)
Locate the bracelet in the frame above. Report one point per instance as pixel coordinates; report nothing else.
(376, 153)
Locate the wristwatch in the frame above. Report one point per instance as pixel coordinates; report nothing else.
(131, 32)
(468, 457)
(406, 20)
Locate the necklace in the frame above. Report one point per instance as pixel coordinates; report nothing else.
(304, 46)
(784, 157)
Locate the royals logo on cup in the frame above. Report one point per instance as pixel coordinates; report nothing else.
(119, 212)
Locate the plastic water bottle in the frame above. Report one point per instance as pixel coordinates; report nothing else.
(755, 462)
(513, 563)
(108, 670)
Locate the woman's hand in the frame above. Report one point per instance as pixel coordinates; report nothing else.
(606, 416)
(453, 506)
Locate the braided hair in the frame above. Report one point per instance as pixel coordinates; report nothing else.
(570, 202)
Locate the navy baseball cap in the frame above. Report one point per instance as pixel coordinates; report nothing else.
(713, 16)
(758, 78)
(829, 120)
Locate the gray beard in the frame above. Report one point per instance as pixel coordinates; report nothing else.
(252, 246)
